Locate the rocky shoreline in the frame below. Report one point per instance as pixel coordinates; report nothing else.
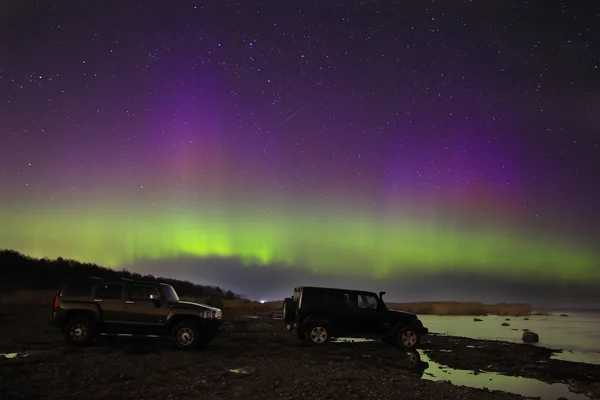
(257, 359)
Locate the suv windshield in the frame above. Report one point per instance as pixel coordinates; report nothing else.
(170, 293)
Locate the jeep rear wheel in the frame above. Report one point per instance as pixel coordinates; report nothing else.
(408, 338)
(186, 335)
(79, 331)
(317, 333)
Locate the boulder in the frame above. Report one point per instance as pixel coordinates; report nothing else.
(505, 324)
(477, 319)
(530, 337)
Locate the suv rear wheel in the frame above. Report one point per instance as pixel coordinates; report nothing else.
(317, 333)
(79, 331)
(186, 335)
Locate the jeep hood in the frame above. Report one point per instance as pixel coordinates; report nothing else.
(402, 314)
(189, 304)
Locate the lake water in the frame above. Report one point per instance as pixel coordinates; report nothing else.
(578, 334)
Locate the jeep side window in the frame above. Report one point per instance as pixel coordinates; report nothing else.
(110, 291)
(138, 292)
(367, 301)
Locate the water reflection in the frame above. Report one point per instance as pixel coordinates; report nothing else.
(417, 362)
(493, 381)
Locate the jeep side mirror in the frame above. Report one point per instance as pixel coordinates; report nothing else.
(381, 295)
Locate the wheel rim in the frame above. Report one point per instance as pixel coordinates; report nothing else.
(318, 334)
(185, 336)
(78, 332)
(409, 338)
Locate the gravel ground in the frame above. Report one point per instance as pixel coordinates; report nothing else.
(253, 359)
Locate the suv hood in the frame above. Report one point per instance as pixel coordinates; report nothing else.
(189, 304)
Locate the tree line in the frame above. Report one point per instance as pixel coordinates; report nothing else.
(21, 272)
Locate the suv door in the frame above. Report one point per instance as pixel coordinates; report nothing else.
(143, 309)
(109, 297)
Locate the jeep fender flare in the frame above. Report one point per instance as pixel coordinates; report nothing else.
(312, 321)
(402, 325)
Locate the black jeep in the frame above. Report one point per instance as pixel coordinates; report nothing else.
(85, 308)
(318, 314)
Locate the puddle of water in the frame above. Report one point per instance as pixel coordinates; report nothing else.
(351, 340)
(243, 371)
(523, 386)
(13, 355)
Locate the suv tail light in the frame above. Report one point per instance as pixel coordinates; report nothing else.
(56, 304)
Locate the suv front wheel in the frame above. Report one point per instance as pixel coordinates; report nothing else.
(317, 333)
(186, 335)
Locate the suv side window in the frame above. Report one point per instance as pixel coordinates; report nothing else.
(77, 289)
(139, 292)
(367, 301)
(109, 291)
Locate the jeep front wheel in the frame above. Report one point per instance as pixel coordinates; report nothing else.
(408, 338)
(186, 335)
(79, 331)
(317, 334)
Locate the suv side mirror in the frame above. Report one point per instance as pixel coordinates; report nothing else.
(156, 299)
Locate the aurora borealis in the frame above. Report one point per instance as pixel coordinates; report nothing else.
(368, 140)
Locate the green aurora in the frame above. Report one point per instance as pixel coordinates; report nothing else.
(332, 244)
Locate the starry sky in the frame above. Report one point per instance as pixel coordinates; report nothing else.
(434, 149)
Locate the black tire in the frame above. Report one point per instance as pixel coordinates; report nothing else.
(289, 310)
(317, 333)
(186, 335)
(408, 338)
(79, 331)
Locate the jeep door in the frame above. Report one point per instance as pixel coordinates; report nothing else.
(109, 298)
(144, 309)
(367, 316)
(339, 304)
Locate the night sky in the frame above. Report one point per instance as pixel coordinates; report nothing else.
(434, 149)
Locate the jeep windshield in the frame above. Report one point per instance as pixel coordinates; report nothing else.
(170, 293)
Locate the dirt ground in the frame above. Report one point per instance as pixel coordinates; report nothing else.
(256, 359)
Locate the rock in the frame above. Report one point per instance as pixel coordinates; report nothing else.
(525, 330)
(477, 319)
(563, 315)
(507, 319)
(530, 337)
(505, 324)
(525, 319)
